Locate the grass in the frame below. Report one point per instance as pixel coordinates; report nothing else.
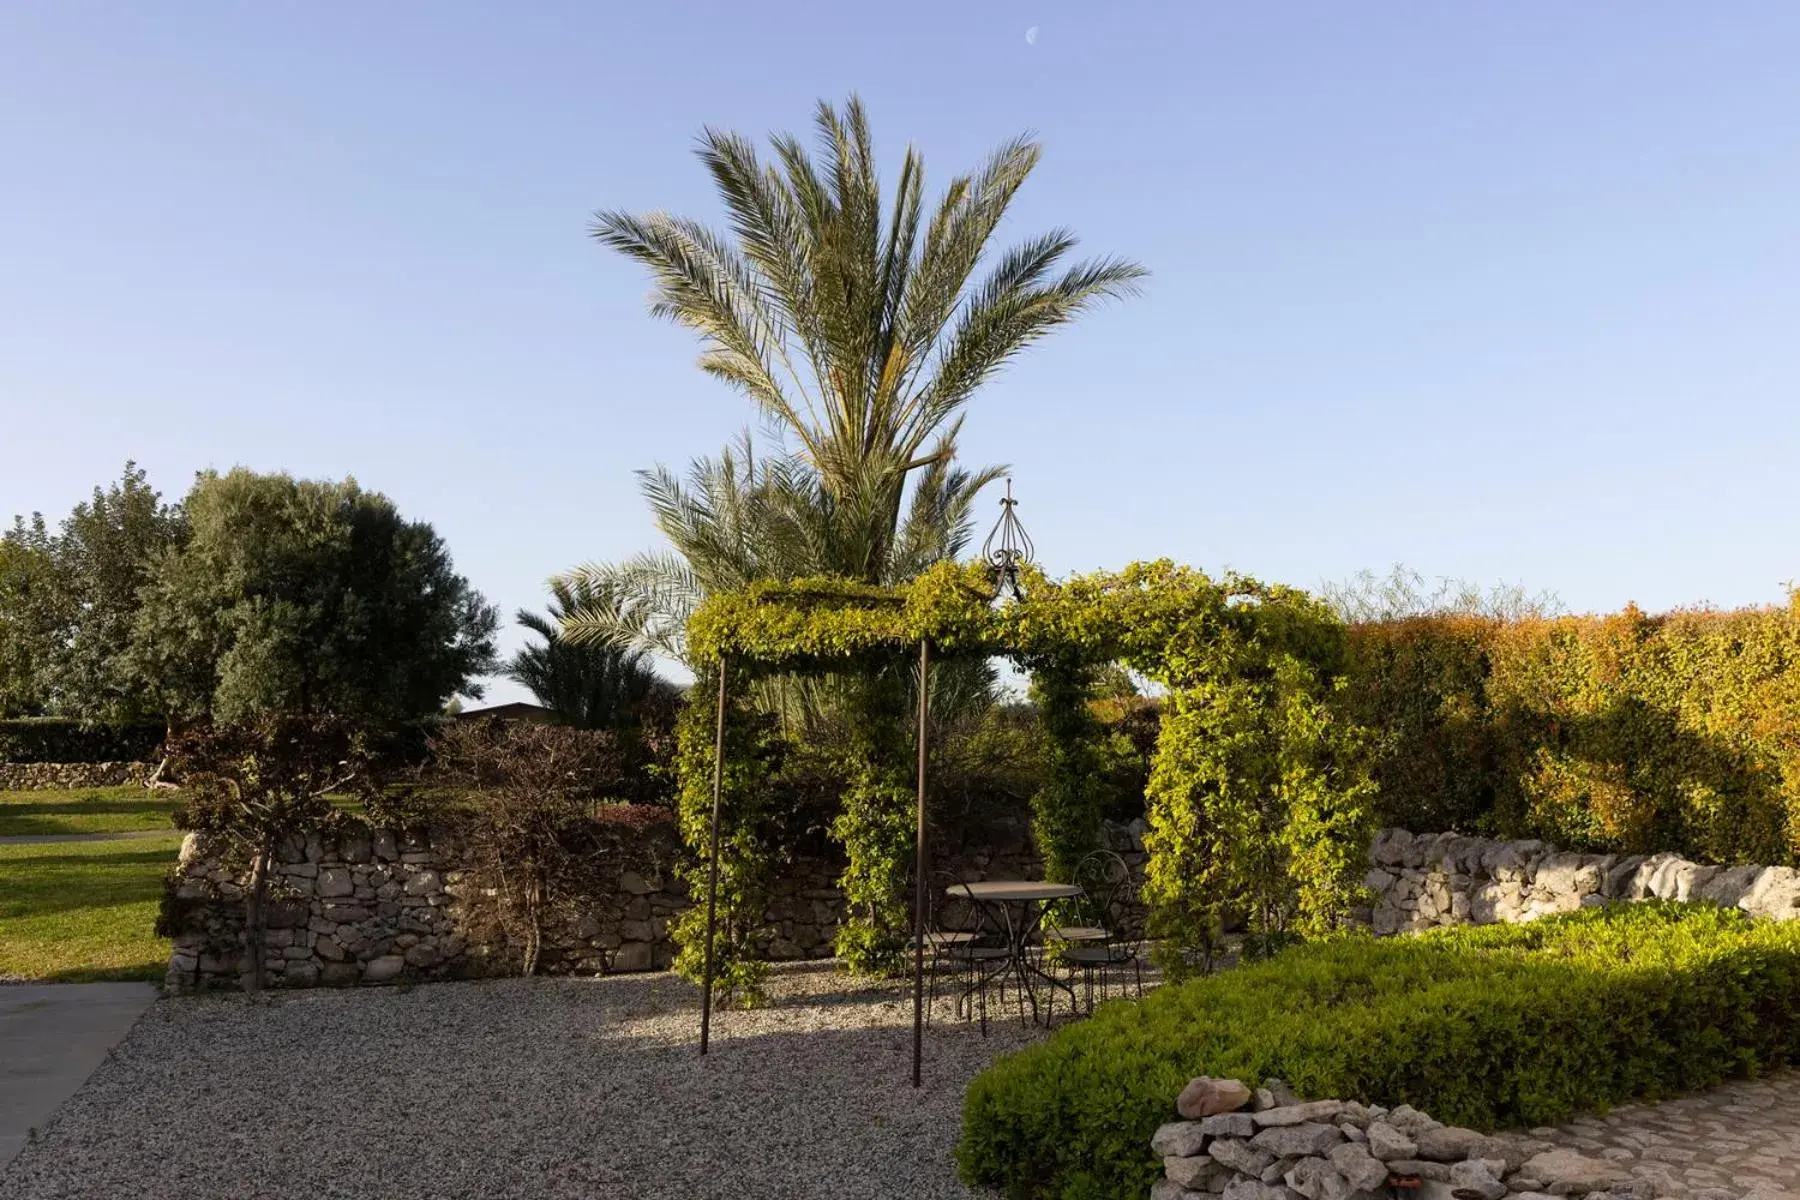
(85, 810)
(83, 912)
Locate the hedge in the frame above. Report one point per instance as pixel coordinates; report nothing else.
(59, 740)
(1510, 1025)
(1627, 733)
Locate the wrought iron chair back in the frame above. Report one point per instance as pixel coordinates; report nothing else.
(1108, 891)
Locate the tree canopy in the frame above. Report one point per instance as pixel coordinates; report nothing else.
(588, 686)
(305, 596)
(69, 597)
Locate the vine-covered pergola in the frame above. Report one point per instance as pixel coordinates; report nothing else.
(1257, 798)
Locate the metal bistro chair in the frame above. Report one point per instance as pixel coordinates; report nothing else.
(960, 945)
(1098, 937)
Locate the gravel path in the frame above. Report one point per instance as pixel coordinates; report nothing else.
(521, 1088)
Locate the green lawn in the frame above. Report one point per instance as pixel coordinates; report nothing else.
(79, 912)
(85, 810)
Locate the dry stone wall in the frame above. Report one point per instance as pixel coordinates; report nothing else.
(44, 777)
(1421, 881)
(378, 907)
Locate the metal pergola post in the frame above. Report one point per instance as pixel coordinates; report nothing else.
(919, 884)
(712, 883)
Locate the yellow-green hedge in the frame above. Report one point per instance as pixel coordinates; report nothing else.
(1626, 732)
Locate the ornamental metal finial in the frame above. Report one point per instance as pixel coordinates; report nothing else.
(1007, 548)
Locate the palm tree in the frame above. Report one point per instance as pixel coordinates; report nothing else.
(741, 517)
(860, 336)
(588, 686)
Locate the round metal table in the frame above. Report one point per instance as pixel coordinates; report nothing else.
(1017, 908)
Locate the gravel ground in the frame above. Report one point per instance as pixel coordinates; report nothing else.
(520, 1088)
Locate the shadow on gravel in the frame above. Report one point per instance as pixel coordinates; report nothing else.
(522, 1088)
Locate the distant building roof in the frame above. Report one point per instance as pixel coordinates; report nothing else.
(518, 710)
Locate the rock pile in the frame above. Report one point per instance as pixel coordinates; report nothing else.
(1268, 1144)
(1425, 880)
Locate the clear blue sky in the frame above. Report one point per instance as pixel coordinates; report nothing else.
(1503, 291)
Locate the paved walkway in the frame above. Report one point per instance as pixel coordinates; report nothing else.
(46, 839)
(1738, 1142)
(52, 1036)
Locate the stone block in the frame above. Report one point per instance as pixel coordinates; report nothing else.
(1233, 1124)
(1205, 1097)
(1179, 1139)
(1388, 1143)
(1566, 1172)
(1196, 1172)
(1297, 1114)
(632, 956)
(423, 883)
(339, 974)
(383, 969)
(1449, 1143)
(637, 885)
(1361, 1170)
(1240, 1155)
(1310, 1138)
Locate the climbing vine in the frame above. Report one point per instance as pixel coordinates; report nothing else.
(1259, 796)
(1066, 811)
(746, 852)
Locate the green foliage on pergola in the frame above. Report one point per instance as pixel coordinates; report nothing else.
(1259, 796)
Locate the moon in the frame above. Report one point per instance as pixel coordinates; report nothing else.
(1031, 36)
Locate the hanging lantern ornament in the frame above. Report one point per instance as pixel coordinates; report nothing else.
(1007, 548)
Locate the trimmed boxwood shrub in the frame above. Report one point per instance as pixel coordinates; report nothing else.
(1492, 1027)
(60, 740)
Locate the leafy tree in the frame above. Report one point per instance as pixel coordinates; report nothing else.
(24, 579)
(858, 335)
(302, 596)
(70, 599)
(588, 686)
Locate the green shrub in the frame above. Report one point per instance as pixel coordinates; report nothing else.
(1627, 733)
(60, 740)
(1491, 1027)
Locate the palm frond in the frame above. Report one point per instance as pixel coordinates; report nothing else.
(860, 332)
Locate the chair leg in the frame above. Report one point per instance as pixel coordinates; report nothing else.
(931, 990)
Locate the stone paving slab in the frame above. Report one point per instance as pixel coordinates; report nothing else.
(52, 1036)
(1737, 1142)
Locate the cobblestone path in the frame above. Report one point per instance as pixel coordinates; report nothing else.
(1739, 1142)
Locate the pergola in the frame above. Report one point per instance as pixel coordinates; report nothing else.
(1223, 650)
